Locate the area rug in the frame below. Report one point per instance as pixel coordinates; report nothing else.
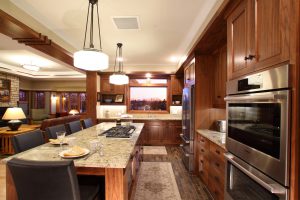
(156, 180)
(154, 150)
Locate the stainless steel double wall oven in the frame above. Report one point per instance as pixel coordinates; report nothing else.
(258, 112)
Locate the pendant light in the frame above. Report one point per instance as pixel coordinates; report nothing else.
(90, 58)
(119, 77)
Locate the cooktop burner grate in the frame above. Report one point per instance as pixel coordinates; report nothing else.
(120, 132)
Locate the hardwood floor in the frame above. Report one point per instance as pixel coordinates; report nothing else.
(189, 185)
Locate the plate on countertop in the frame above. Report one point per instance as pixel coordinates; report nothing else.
(74, 152)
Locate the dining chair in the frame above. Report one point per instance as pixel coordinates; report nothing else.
(25, 141)
(49, 180)
(73, 127)
(86, 123)
(51, 131)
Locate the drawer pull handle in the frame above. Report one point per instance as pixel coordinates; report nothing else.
(202, 140)
(201, 161)
(217, 164)
(202, 150)
(218, 152)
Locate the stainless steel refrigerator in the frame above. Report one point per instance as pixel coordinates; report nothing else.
(188, 127)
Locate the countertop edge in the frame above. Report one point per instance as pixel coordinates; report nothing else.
(200, 131)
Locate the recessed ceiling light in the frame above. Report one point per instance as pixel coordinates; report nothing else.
(31, 67)
(173, 58)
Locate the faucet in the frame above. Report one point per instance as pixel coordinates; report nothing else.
(148, 107)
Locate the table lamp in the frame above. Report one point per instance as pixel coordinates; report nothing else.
(14, 115)
(74, 112)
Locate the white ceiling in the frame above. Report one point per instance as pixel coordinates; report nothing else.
(13, 55)
(167, 31)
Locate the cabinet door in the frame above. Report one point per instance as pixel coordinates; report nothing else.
(119, 89)
(238, 42)
(187, 77)
(192, 73)
(176, 85)
(155, 134)
(272, 25)
(171, 134)
(105, 86)
(220, 77)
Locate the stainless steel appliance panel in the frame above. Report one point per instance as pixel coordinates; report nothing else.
(242, 181)
(276, 78)
(187, 135)
(257, 131)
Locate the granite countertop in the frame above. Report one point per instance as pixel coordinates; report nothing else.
(116, 151)
(214, 136)
(147, 117)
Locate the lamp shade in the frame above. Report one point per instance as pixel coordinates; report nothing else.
(74, 112)
(13, 114)
(118, 79)
(91, 60)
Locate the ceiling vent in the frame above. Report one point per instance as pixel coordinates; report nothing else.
(128, 22)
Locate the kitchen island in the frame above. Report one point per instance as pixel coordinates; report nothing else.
(159, 129)
(118, 163)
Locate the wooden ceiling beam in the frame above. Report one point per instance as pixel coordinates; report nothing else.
(16, 30)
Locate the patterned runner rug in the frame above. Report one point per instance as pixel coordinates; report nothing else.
(155, 150)
(156, 181)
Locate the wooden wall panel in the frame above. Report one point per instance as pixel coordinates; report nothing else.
(91, 95)
(295, 76)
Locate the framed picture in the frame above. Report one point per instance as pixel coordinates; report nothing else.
(119, 98)
(4, 90)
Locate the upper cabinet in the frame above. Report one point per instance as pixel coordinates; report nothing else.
(219, 74)
(189, 74)
(107, 88)
(257, 36)
(176, 85)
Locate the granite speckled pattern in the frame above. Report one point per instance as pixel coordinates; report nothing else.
(116, 150)
(214, 136)
(149, 117)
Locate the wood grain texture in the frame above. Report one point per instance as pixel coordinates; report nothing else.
(115, 184)
(91, 95)
(294, 27)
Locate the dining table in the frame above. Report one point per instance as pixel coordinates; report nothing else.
(116, 160)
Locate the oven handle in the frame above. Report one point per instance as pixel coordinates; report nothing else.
(256, 97)
(271, 186)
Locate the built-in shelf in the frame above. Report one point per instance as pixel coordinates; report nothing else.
(111, 99)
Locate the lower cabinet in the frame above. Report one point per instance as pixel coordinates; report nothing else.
(211, 166)
(160, 132)
(157, 132)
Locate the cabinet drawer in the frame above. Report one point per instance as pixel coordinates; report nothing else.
(216, 152)
(215, 188)
(203, 142)
(217, 165)
(203, 169)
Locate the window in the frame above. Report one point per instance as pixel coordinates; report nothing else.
(71, 100)
(148, 95)
(82, 102)
(39, 100)
(23, 96)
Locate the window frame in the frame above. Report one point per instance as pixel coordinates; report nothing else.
(134, 84)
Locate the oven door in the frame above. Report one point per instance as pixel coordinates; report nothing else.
(245, 182)
(258, 131)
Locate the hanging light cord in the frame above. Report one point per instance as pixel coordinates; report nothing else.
(99, 27)
(86, 25)
(116, 59)
(91, 4)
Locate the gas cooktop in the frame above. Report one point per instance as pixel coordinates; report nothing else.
(120, 132)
